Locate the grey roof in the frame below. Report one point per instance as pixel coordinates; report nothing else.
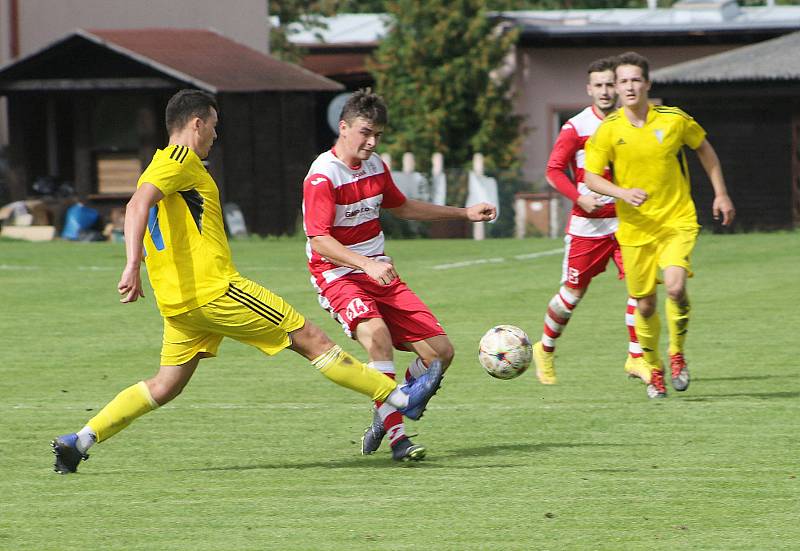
(685, 17)
(347, 28)
(775, 59)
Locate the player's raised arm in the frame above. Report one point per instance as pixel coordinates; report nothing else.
(412, 209)
(722, 201)
(136, 213)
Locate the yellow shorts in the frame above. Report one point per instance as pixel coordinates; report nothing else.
(247, 312)
(643, 262)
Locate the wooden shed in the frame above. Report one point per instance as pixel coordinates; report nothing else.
(748, 100)
(89, 109)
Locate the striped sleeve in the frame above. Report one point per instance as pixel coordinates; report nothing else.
(319, 205)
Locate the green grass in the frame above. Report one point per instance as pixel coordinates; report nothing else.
(262, 453)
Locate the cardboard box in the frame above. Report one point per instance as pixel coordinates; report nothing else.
(29, 233)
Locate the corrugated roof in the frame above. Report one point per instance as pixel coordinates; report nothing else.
(344, 29)
(775, 59)
(683, 18)
(210, 60)
(679, 19)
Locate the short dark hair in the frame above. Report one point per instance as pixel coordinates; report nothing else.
(602, 64)
(186, 105)
(365, 104)
(637, 60)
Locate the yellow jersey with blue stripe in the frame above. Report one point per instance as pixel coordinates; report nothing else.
(651, 158)
(186, 250)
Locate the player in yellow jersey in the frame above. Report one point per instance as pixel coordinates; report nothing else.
(657, 219)
(174, 221)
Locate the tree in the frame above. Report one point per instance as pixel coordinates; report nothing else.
(303, 14)
(440, 70)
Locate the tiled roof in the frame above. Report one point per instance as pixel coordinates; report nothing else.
(197, 57)
(210, 60)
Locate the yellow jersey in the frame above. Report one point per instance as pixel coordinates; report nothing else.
(651, 158)
(186, 251)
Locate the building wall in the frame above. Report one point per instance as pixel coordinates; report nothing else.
(550, 80)
(40, 22)
(43, 21)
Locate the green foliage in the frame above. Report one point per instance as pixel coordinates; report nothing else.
(306, 13)
(361, 6)
(440, 69)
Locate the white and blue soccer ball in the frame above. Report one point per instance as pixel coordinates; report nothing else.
(505, 351)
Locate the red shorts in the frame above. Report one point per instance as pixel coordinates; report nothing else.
(356, 297)
(586, 257)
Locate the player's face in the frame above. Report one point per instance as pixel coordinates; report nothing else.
(357, 141)
(601, 90)
(206, 133)
(632, 87)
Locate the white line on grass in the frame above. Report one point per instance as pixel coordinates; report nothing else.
(496, 260)
(15, 267)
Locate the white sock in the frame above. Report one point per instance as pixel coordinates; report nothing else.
(397, 398)
(387, 368)
(416, 368)
(384, 366)
(559, 310)
(86, 439)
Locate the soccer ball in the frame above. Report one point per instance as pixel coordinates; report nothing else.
(505, 351)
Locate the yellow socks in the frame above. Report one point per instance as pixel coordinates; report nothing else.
(120, 412)
(648, 331)
(678, 323)
(343, 369)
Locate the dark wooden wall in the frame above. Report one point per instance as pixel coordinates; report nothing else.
(27, 145)
(750, 127)
(267, 144)
(754, 144)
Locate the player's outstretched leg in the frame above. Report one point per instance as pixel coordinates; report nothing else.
(131, 403)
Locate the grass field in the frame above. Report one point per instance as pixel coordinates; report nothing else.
(263, 453)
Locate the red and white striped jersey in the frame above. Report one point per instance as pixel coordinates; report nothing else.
(345, 202)
(568, 153)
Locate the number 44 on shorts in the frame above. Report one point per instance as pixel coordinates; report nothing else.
(355, 309)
